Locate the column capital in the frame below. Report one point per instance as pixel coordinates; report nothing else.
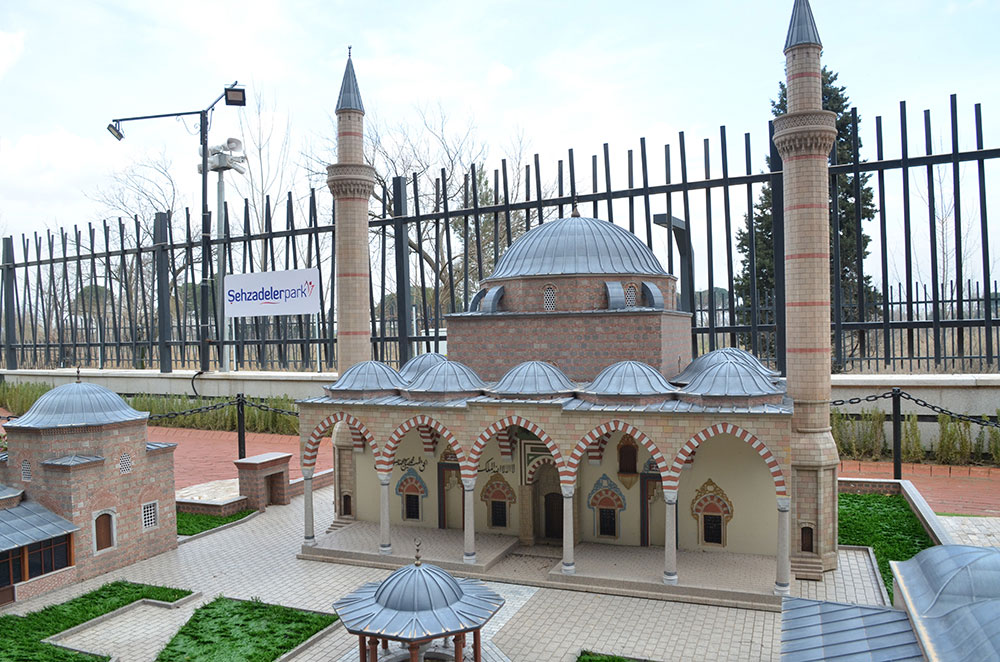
(469, 484)
(670, 497)
(568, 491)
(784, 504)
(384, 478)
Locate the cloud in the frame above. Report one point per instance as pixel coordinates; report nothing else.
(11, 47)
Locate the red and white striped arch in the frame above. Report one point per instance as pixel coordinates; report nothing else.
(599, 437)
(359, 436)
(565, 476)
(383, 464)
(529, 476)
(673, 475)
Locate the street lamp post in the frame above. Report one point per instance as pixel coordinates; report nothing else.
(234, 96)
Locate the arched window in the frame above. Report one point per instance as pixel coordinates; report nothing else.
(713, 510)
(346, 509)
(413, 490)
(606, 499)
(628, 453)
(807, 539)
(104, 534)
(549, 298)
(631, 295)
(125, 464)
(497, 494)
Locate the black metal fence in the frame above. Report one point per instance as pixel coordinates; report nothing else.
(123, 294)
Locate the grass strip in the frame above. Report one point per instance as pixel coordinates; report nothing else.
(189, 524)
(226, 630)
(21, 636)
(885, 523)
(587, 656)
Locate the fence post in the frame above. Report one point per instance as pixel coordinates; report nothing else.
(402, 250)
(9, 313)
(241, 427)
(162, 290)
(897, 434)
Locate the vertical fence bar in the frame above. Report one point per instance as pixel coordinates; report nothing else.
(956, 184)
(241, 426)
(402, 254)
(607, 184)
(859, 246)
(984, 233)
(883, 240)
(645, 193)
(752, 256)
(932, 219)
(710, 250)
(9, 312)
(837, 269)
(162, 290)
(897, 436)
(729, 234)
(907, 247)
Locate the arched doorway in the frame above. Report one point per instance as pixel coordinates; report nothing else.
(548, 504)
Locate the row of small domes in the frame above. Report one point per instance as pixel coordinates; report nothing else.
(725, 372)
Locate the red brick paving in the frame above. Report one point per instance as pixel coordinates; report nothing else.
(207, 455)
(965, 490)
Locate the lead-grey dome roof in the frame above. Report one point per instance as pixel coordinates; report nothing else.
(419, 364)
(534, 378)
(416, 602)
(733, 378)
(723, 355)
(368, 376)
(577, 245)
(630, 378)
(77, 404)
(447, 377)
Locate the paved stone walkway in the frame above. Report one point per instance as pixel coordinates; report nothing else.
(965, 490)
(980, 531)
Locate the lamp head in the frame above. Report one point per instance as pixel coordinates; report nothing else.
(236, 96)
(115, 129)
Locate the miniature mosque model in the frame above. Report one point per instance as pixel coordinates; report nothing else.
(569, 410)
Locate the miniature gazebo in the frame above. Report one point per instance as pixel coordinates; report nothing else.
(414, 606)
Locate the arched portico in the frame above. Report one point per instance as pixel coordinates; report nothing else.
(599, 437)
(361, 437)
(670, 489)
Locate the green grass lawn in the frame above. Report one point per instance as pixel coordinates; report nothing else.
(189, 524)
(885, 523)
(227, 630)
(21, 636)
(587, 656)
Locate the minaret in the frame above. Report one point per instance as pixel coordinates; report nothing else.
(804, 136)
(351, 182)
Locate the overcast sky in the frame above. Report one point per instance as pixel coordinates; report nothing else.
(573, 74)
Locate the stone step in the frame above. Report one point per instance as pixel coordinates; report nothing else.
(807, 568)
(338, 524)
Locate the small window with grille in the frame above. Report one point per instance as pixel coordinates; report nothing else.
(631, 296)
(712, 529)
(549, 298)
(411, 506)
(498, 514)
(25, 471)
(150, 515)
(607, 523)
(125, 464)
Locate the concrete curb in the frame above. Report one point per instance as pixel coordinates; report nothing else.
(874, 561)
(185, 539)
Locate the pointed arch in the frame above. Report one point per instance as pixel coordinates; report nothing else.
(359, 434)
(565, 477)
(529, 476)
(599, 437)
(383, 464)
(673, 475)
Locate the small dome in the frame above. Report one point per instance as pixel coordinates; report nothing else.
(368, 376)
(534, 378)
(732, 378)
(723, 355)
(630, 378)
(447, 377)
(577, 245)
(423, 587)
(420, 363)
(77, 404)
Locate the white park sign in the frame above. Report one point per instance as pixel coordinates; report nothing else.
(272, 293)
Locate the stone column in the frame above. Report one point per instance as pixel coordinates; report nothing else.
(670, 539)
(469, 523)
(803, 136)
(384, 541)
(783, 575)
(307, 499)
(568, 565)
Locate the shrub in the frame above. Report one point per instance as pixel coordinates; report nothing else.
(947, 446)
(18, 398)
(994, 440)
(978, 450)
(913, 450)
(963, 438)
(861, 437)
(840, 427)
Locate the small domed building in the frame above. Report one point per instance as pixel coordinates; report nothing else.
(82, 491)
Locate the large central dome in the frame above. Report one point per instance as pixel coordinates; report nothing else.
(577, 245)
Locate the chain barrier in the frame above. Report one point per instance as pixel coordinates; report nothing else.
(263, 407)
(920, 402)
(188, 412)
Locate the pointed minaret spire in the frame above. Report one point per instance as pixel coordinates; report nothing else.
(350, 95)
(802, 28)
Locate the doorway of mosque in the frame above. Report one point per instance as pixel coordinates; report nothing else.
(553, 515)
(451, 505)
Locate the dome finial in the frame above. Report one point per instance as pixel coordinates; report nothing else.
(77, 374)
(576, 212)
(349, 52)
(416, 553)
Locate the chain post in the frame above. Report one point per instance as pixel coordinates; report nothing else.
(241, 428)
(897, 435)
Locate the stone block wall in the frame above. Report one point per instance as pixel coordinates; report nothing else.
(576, 293)
(264, 479)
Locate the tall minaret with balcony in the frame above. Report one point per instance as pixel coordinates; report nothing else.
(803, 137)
(351, 182)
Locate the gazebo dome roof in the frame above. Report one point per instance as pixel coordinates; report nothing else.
(74, 405)
(534, 378)
(419, 364)
(720, 356)
(447, 377)
(630, 378)
(577, 245)
(733, 379)
(368, 376)
(418, 588)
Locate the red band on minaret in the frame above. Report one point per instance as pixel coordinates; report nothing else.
(806, 156)
(807, 303)
(350, 275)
(805, 74)
(356, 134)
(794, 207)
(353, 333)
(808, 350)
(807, 256)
